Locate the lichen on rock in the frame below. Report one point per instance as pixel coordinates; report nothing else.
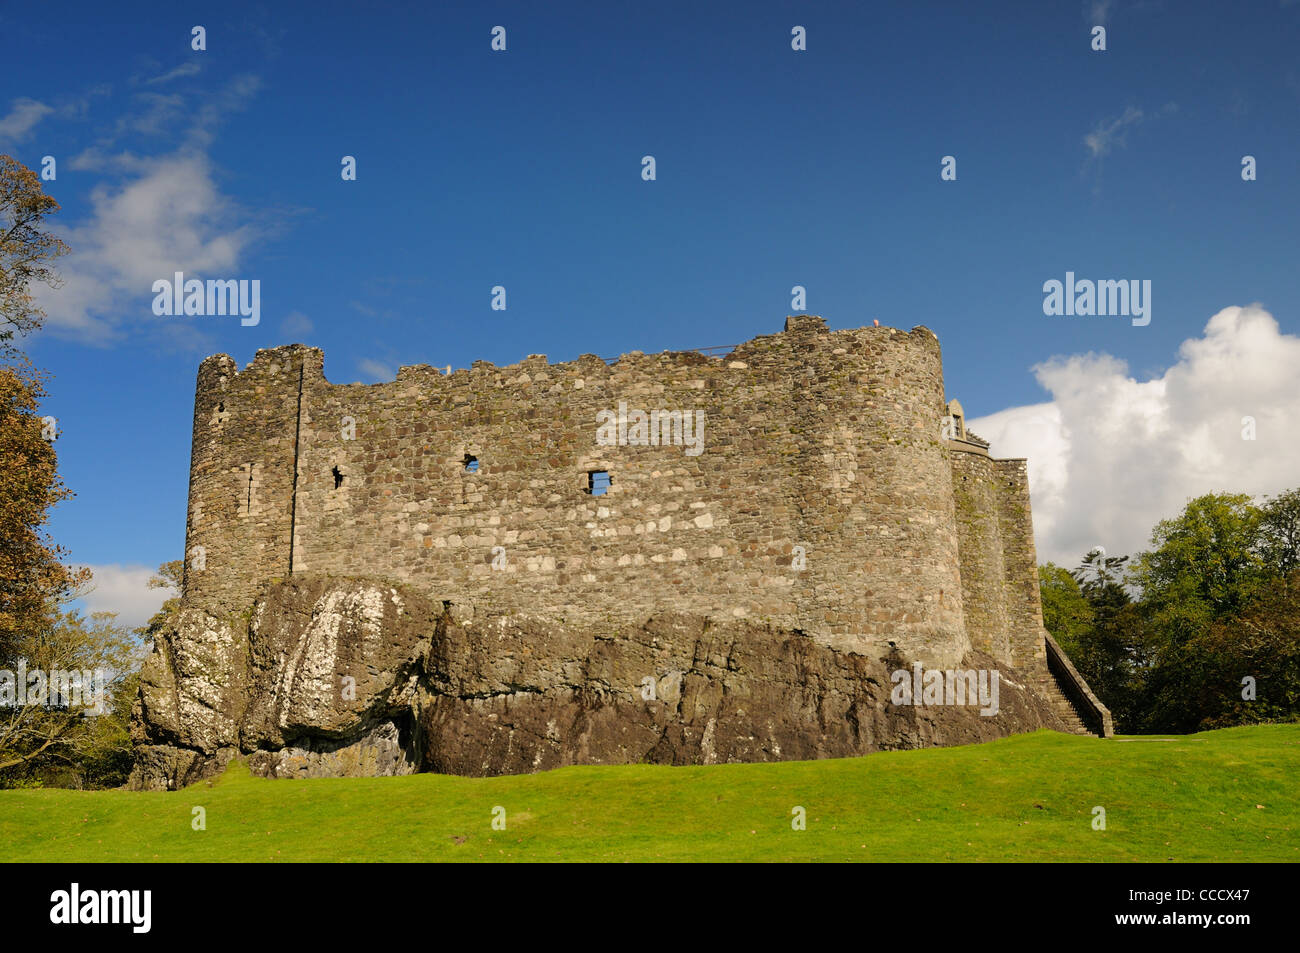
(332, 677)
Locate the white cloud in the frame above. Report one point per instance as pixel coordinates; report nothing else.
(185, 69)
(125, 590)
(379, 371)
(1109, 455)
(169, 217)
(1110, 133)
(26, 113)
(153, 216)
(156, 113)
(23, 116)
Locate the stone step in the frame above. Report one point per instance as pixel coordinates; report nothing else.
(1064, 708)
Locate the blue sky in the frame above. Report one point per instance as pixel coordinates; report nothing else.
(774, 168)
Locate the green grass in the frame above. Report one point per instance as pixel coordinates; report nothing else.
(1027, 798)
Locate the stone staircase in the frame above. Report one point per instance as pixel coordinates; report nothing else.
(1066, 709)
(1071, 698)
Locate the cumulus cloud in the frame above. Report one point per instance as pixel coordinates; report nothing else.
(1109, 455)
(124, 589)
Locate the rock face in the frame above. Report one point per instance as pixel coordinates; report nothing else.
(330, 677)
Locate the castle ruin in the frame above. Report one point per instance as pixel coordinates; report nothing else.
(811, 491)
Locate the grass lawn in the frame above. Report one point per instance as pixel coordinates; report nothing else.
(1226, 795)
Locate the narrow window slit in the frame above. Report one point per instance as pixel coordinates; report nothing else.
(599, 482)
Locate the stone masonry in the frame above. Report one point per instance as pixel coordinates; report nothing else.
(832, 495)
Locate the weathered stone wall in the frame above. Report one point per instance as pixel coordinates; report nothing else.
(1020, 565)
(999, 565)
(826, 536)
(241, 476)
(816, 439)
(979, 535)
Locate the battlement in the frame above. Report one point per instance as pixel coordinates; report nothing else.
(268, 362)
(801, 478)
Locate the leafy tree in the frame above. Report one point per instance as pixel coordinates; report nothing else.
(1066, 613)
(1206, 568)
(1115, 655)
(33, 577)
(1279, 530)
(1262, 642)
(51, 745)
(1218, 601)
(62, 740)
(26, 249)
(170, 576)
(1204, 564)
(1091, 614)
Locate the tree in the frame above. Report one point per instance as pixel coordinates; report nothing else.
(1114, 653)
(1204, 570)
(1219, 602)
(1066, 613)
(77, 734)
(1101, 582)
(1090, 613)
(56, 743)
(33, 578)
(1279, 531)
(26, 249)
(1262, 644)
(170, 576)
(1204, 564)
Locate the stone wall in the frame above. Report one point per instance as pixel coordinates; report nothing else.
(1020, 568)
(242, 475)
(823, 440)
(979, 533)
(770, 579)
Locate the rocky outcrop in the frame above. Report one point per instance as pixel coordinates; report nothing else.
(332, 677)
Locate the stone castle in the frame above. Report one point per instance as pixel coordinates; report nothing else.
(499, 560)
